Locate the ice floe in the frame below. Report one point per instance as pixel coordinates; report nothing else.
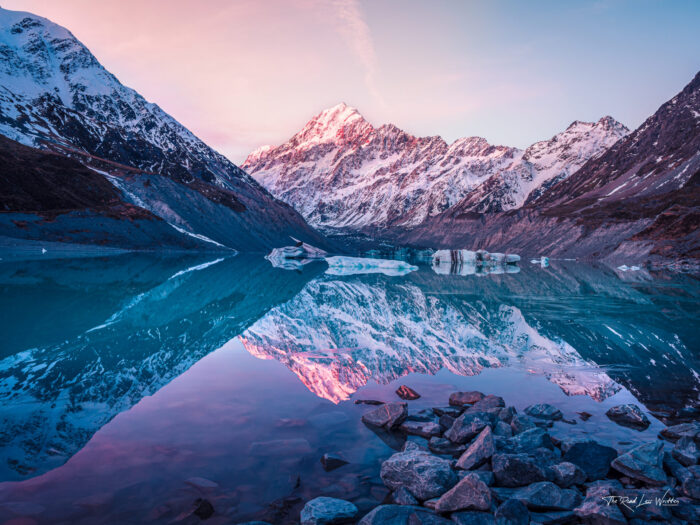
(341, 265)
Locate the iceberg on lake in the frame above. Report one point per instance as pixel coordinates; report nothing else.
(296, 256)
(468, 262)
(341, 265)
(542, 261)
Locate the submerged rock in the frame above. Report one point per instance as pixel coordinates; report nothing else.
(644, 463)
(328, 511)
(544, 411)
(629, 416)
(403, 515)
(424, 475)
(480, 451)
(407, 393)
(469, 494)
(332, 462)
(389, 415)
(592, 457)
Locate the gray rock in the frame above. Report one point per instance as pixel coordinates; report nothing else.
(332, 462)
(644, 463)
(484, 475)
(412, 445)
(546, 456)
(479, 452)
(629, 416)
(544, 411)
(678, 471)
(440, 445)
(691, 485)
(465, 398)
(686, 510)
(675, 432)
(403, 515)
(422, 415)
(423, 474)
(472, 517)
(512, 512)
(389, 415)
(327, 511)
(402, 496)
(451, 411)
(643, 510)
(545, 495)
(467, 426)
(507, 414)
(426, 429)
(521, 423)
(555, 517)
(527, 441)
(566, 474)
(487, 403)
(516, 470)
(446, 421)
(595, 510)
(469, 494)
(407, 393)
(431, 503)
(502, 429)
(686, 451)
(591, 457)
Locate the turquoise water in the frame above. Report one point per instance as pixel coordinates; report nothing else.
(132, 385)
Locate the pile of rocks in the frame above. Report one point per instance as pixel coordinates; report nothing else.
(481, 462)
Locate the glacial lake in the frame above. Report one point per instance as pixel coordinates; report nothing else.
(131, 386)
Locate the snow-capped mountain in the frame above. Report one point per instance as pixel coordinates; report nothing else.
(55, 95)
(342, 172)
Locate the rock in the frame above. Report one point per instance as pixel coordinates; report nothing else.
(395, 440)
(402, 496)
(422, 415)
(440, 445)
(649, 504)
(465, 398)
(686, 510)
(644, 463)
(423, 474)
(407, 393)
(569, 421)
(389, 415)
(487, 403)
(446, 421)
(452, 411)
(516, 470)
(507, 414)
(685, 451)
(596, 509)
(332, 462)
(560, 517)
(426, 429)
(629, 416)
(467, 426)
(484, 475)
(585, 416)
(368, 402)
(469, 494)
(403, 515)
(566, 474)
(472, 517)
(327, 511)
(675, 432)
(521, 423)
(431, 503)
(502, 429)
(412, 445)
(591, 457)
(545, 495)
(691, 485)
(527, 441)
(544, 411)
(480, 451)
(512, 512)
(203, 509)
(677, 470)
(546, 456)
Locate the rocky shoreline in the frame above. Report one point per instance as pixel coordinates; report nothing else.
(477, 461)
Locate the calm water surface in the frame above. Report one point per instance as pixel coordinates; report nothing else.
(130, 386)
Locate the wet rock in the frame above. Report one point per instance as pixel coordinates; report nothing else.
(368, 402)
(516, 470)
(389, 415)
(440, 445)
(407, 393)
(527, 441)
(452, 411)
(469, 494)
(544, 411)
(468, 425)
(395, 440)
(327, 511)
(424, 475)
(402, 496)
(591, 457)
(426, 429)
(585, 416)
(521, 423)
(332, 462)
(556, 517)
(595, 510)
(203, 509)
(403, 515)
(422, 415)
(502, 429)
(649, 504)
(472, 517)
(465, 398)
(545, 495)
(512, 512)
(480, 451)
(629, 416)
(566, 474)
(686, 451)
(675, 432)
(644, 463)
(507, 414)
(487, 403)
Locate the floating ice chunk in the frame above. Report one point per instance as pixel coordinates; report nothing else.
(341, 265)
(279, 257)
(43, 250)
(542, 261)
(623, 268)
(286, 252)
(454, 257)
(480, 258)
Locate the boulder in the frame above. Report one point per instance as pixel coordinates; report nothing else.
(591, 457)
(452, 411)
(644, 463)
(328, 511)
(566, 474)
(545, 495)
(595, 509)
(403, 515)
(469, 494)
(675, 432)
(527, 441)
(629, 416)
(473, 517)
(422, 415)
(464, 398)
(649, 504)
(544, 411)
(424, 475)
(469, 425)
(479, 452)
(502, 429)
(426, 429)
(389, 415)
(521, 423)
(402, 496)
(487, 403)
(332, 462)
(512, 512)
(368, 402)
(407, 393)
(446, 421)
(484, 475)
(516, 470)
(507, 414)
(555, 517)
(691, 484)
(686, 451)
(440, 445)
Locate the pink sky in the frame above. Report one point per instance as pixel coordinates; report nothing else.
(241, 74)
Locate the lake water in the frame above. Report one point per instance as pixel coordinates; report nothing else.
(132, 385)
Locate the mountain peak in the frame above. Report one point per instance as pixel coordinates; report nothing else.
(338, 124)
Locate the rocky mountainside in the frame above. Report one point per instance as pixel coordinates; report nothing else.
(55, 95)
(342, 172)
(637, 202)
